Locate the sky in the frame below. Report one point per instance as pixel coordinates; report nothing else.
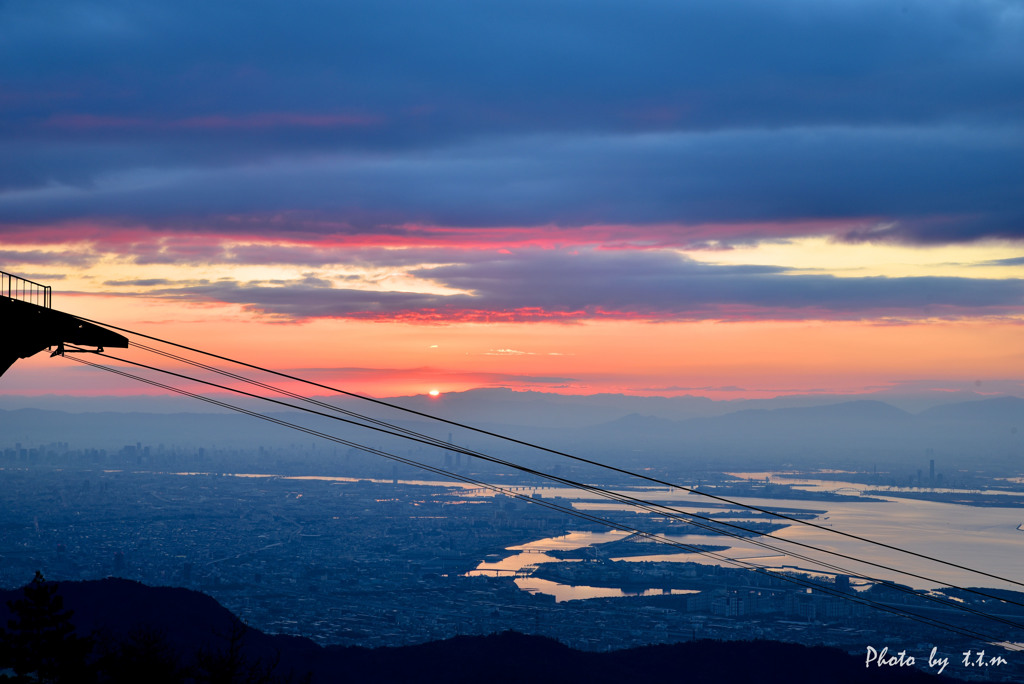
(726, 198)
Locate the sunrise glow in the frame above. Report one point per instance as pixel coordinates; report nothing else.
(655, 231)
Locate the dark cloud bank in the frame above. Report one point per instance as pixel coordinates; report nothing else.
(538, 285)
(903, 116)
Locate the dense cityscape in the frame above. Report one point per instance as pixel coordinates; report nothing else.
(377, 562)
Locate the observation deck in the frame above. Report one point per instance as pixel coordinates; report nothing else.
(29, 324)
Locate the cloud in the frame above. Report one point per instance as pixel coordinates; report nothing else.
(262, 121)
(423, 374)
(226, 250)
(517, 352)
(138, 282)
(870, 184)
(574, 285)
(531, 64)
(735, 388)
(1013, 261)
(364, 118)
(37, 257)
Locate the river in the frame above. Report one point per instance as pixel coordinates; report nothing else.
(985, 539)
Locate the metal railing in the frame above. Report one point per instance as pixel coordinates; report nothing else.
(14, 287)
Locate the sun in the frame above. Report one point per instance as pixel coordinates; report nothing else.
(434, 393)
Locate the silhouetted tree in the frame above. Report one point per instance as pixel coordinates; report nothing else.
(229, 665)
(40, 643)
(144, 655)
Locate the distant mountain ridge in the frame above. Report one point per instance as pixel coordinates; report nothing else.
(528, 408)
(857, 433)
(997, 408)
(862, 409)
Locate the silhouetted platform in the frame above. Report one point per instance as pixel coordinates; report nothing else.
(27, 328)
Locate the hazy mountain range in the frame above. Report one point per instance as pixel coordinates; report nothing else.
(519, 408)
(652, 431)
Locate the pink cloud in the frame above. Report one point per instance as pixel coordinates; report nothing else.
(310, 230)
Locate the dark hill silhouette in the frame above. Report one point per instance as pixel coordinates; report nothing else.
(195, 628)
(189, 624)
